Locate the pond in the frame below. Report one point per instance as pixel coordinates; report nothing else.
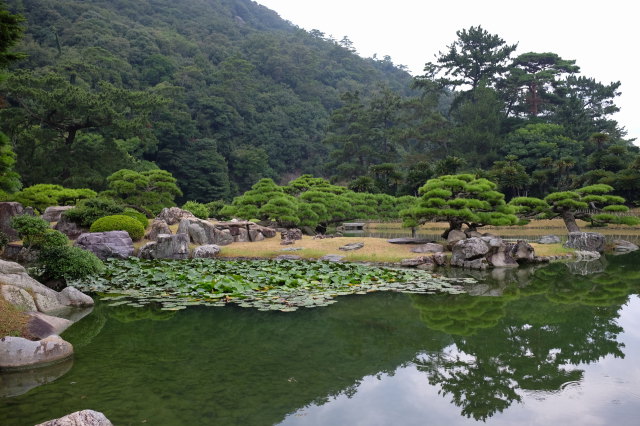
(547, 345)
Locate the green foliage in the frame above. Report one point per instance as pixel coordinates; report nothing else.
(460, 199)
(10, 33)
(89, 210)
(140, 217)
(68, 263)
(51, 239)
(151, 190)
(199, 210)
(41, 196)
(29, 228)
(4, 240)
(119, 223)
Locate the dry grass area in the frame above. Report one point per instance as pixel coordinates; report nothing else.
(374, 250)
(12, 320)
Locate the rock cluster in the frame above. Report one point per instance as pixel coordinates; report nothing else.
(19, 289)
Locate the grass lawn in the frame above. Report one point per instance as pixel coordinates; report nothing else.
(12, 320)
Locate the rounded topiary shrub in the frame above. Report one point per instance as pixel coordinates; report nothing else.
(119, 222)
(140, 217)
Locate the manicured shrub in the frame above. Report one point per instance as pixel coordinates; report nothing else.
(88, 211)
(29, 228)
(42, 195)
(50, 239)
(214, 208)
(199, 210)
(119, 222)
(68, 263)
(140, 217)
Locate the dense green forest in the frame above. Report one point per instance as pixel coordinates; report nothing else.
(222, 93)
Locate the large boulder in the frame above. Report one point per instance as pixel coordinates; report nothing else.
(53, 213)
(18, 297)
(467, 250)
(173, 215)
(8, 210)
(111, 244)
(80, 418)
(42, 325)
(455, 236)
(522, 251)
(167, 247)
(158, 226)
(586, 241)
(17, 352)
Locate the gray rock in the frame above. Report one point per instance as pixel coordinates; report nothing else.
(586, 241)
(428, 248)
(17, 352)
(417, 261)
(291, 234)
(13, 274)
(240, 235)
(167, 247)
(352, 246)
(174, 215)
(287, 242)
(468, 250)
(473, 234)
(70, 229)
(53, 213)
(80, 418)
(18, 297)
(208, 251)
(522, 251)
(292, 249)
(203, 232)
(549, 239)
(481, 263)
(502, 259)
(8, 210)
(71, 296)
(623, 246)
(455, 236)
(42, 325)
(439, 259)
(105, 245)
(288, 257)
(158, 226)
(332, 258)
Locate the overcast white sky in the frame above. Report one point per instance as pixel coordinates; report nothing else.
(601, 36)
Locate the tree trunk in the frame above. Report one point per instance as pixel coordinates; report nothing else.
(454, 225)
(570, 221)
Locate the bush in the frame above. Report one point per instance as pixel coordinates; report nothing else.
(88, 211)
(214, 208)
(119, 222)
(199, 210)
(4, 240)
(42, 195)
(29, 228)
(68, 263)
(140, 217)
(50, 239)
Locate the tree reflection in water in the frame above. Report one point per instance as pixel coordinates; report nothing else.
(530, 338)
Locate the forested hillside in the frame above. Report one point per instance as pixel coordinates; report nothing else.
(221, 93)
(218, 92)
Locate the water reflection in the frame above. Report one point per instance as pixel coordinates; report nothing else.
(528, 342)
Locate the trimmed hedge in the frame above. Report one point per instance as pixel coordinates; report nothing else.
(119, 222)
(68, 263)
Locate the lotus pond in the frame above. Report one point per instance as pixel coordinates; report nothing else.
(558, 344)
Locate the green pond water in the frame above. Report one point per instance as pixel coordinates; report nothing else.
(559, 344)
